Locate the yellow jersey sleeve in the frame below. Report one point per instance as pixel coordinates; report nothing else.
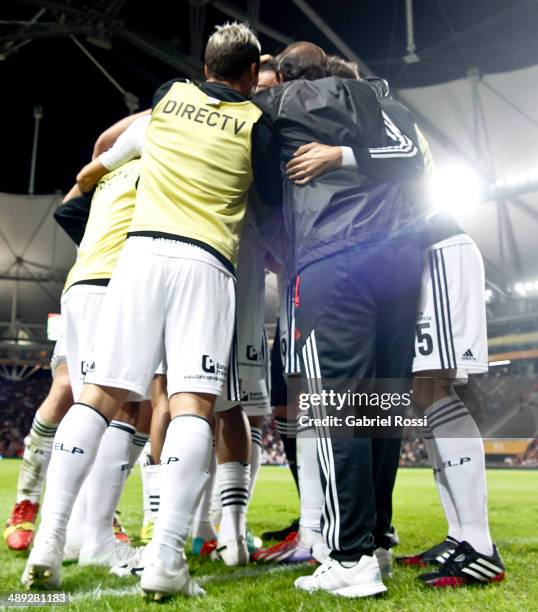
(196, 169)
(111, 213)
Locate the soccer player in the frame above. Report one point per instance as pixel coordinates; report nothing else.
(149, 469)
(267, 76)
(173, 288)
(457, 306)
(72, 215)
(105, 234)
(238, 443)
(451, 344)
(21, 524)
(287, 429)
(346, 227)
(237, 477)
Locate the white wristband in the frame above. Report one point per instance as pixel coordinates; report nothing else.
(348, 158)
(128, 146)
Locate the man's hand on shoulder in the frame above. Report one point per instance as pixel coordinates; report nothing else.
(313, 160)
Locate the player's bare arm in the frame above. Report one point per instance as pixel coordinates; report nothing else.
(90, 175)
(127, 147)
(107, 138)
(312, 160)
(72, 193)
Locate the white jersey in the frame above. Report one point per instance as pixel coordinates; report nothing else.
(451, 329)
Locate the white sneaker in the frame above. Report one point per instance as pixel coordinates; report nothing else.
(232, 552)
(384, 558)
(158, 581)
(347, 579)
(118, 554)
(321, 552)
(43, 569)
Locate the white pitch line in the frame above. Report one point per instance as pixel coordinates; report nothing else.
(99, 593)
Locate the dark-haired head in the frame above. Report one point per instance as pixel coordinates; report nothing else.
(267, 76)
(302, 60)
(338, 67)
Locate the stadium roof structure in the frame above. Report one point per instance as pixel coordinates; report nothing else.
(467, 70)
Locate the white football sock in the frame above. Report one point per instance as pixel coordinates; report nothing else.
(150, 491)
(184, 470)
(255, 458)
(104, 487)
(454, 530)
(75, 447)
(216, 508)
(37, 451)
(461, 451)
(202, 526)
(137, 446)
(311, 491)
(234, 479)
(76, 528)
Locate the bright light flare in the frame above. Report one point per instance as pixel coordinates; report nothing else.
(456, 189)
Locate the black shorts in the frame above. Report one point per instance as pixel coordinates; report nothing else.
(279, 390)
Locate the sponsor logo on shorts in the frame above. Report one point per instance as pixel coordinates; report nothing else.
(421, 317)
(87, 366)
(208, 365)
(212, 370)
(254, 398)
(468, 356)
(252, 353)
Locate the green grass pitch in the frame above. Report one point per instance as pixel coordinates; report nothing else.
(418, 517)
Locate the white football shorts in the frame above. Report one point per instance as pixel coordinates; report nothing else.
(166, 300)
(250, 311)
(254, 399)
(81, 306)
(451, 325)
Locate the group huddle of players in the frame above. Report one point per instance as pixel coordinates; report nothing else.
(296, 165)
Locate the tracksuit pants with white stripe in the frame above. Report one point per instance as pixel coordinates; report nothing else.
(355, 320)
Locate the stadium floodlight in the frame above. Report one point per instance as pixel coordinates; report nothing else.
(488, 295)
(520, 288)
(513, 184)
(527, 288)
(456, 189)
(516, 180)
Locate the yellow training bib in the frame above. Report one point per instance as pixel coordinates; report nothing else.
(111, 213)
(196, 169)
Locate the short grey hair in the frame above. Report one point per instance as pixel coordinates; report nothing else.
(231, 51)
